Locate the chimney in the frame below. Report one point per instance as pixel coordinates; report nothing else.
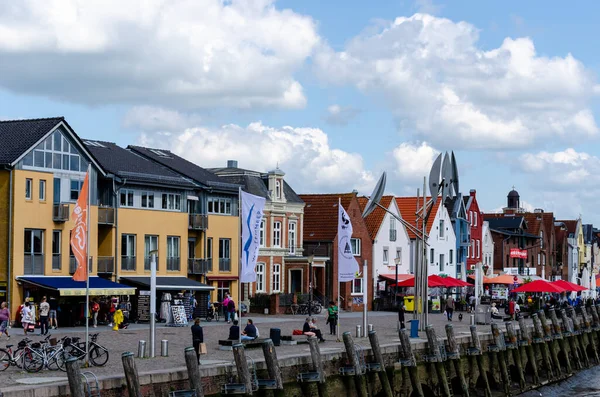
(473, 192)
(538, 211)
(232, 164)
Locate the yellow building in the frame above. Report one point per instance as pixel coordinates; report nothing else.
(138, 207)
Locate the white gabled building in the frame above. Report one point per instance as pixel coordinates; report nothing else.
(487, 251)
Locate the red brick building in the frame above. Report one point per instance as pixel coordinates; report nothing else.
(476, 223)
(320, 240)
(561, 268)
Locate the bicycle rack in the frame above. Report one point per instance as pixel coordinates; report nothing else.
(350, 370)
(92, 387)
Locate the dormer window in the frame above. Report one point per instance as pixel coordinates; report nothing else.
(278, 189)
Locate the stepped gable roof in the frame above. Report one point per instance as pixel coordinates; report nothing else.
(408, 209)
(17, 136)
(129, 165)
(375, 218)
(321, 214)
(254, 182)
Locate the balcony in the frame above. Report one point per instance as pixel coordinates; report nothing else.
(199, 266)
(73, 265)
(56, 258)
(224, 264)
(393, 235)
(173, 263)
(198, 222)
(33, 264)
(148, 262)
(106, 264)
(60, 212)
(106, 216)
(128, 263)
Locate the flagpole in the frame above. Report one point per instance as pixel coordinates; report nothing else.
(240, 264)
(87, 272)
(338, 276)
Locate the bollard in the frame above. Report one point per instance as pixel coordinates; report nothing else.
(370, 327)
(141, 349)
(164, 348)
(472, 320)
(358, 331)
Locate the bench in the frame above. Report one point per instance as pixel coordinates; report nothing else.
(248, 344)
(289, 340)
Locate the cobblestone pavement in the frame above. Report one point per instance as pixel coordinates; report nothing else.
(384, 323)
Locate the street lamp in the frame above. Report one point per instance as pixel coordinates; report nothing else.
(310, 283)
(397, 261)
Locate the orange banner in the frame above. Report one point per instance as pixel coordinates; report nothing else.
(79, 235)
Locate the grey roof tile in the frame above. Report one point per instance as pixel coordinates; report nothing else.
(17, 136)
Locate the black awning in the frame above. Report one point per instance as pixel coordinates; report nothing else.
(167, 283)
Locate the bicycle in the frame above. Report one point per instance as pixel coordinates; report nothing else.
(98, 354)
(8, 357)
(39, 355)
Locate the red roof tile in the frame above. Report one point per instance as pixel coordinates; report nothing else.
(571, 225)
(408, 211)
(376, 217)
(321, 216)
(534, 222)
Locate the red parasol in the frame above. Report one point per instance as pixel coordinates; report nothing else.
(432, 281)
(538, 286)
(568, 286)
(454, 282)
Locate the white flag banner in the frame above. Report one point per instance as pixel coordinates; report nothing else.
(252, 213)
(347, 264)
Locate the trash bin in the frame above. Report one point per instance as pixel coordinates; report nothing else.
(414, 328)
(409, 303)
(275, 335)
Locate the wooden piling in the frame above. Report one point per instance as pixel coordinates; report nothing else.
(498, 338)
(538, 334)
(241, 364)
(593, 334)
(552, 341)
(531, 357)
(408, 357)
(273, 363)
(438, 364)
(191, 362)
(588, 333)
(571, 341)
(74, 376)
(555, 323)
(479, 358)
(579, 336)
(454, 356)
(131, 375)
(315, 355)
(383, 378)
(361, 384)
(516, 353)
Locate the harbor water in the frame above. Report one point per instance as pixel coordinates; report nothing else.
(584, 384)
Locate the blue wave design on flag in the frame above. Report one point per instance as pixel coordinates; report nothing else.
(249, 241)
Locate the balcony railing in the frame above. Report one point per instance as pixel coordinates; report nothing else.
(33, 264)
(106, 216)
(199, 266)
(148, 262)
(393, 235)
(60, 212)
(173, 264)
(106, 264)
(73, 265)
(56, 261)
(128, 263)
(224, 264)
(198, 221)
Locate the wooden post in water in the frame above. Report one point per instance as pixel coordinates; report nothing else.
(588, 337)
(409, 360)
(512, 337)
(315, 355)
(191, 362)
(273, 363)
(241, 364)
(579, 335)
(499, 342)
(434, 350)
(383, 378)
(549, 337)
(573, 347)
(591, 311)
(454, 356)
(131, 375)
(555, 324)
(538, 334)
(74, 376)
(531, 356)
(479, 358)
(361, 384)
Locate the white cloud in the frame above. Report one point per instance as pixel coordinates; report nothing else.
(448, 91)
(340, 115)
(427, 6)
(182, 54)
(414, 161)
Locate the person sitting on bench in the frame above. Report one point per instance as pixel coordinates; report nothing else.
(250, 331)
(311, 331)
(496, 313)
(234, 331)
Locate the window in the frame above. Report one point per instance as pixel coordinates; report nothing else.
(442, 262)
(478, 246)
(475, 219)
(431, 255)
(56, 239)
(544, 260)
(55, 152)
(541, 239)
(539, 259)
(392, 229)
(34, 251)
(468, 250)
(224, 255)
(277, 234)
(173, 253)
(147, 200)
(292, 237)
(150, 244)
(355, 244)
(128, 252)
(126, 198)
(261, 233)
(28, 188)
(357, 286)
(222, 288)
(260, 277)
(218, 205)
(441, 234)
(209, 250)
(278, 189)
(171, 201)
(75, 189)
(471, 217)
(450, 255)
(386, 255)
(473, 249)
(276, 277)
(42, 193)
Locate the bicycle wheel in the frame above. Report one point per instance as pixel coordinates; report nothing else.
(59, 361)
(98, 356)
(4, 360)
(18, 357)
(317, 309)
(33, 361)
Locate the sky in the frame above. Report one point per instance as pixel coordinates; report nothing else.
(334, 93)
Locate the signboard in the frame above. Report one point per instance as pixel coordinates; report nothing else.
(499, 292)
(518, 253)
(525, 271)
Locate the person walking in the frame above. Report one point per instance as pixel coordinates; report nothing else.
(44, 311)
(226, 308)
(231, 309)
(449, 307)
(26, 317)
(197, 337)
(95, 310)
(332, 317)
(53, 314)
(4, 319)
